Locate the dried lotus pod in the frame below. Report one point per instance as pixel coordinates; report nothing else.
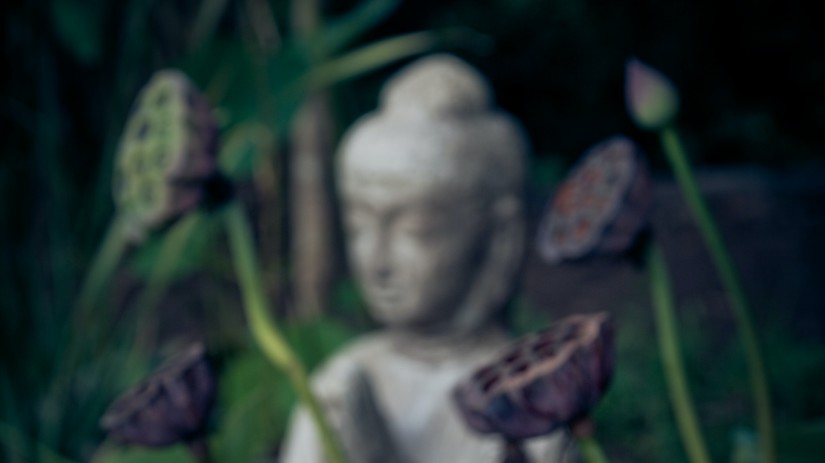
(167, 151)
(168, 407)
(545, 380)
(601, 207)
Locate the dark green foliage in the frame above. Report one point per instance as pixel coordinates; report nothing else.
(635, 419)
(76, 67)
(751, 78)
(80, 27)
(255, 400)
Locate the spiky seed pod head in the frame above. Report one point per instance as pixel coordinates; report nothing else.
(652, 99)
(545, 380)
(601, 207)
(170, 406)
(167, 150)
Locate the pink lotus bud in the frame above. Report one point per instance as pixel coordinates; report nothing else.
(652, 100)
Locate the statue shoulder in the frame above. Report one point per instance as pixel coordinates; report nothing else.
(358, 355)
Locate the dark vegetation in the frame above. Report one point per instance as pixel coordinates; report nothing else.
(751, 79)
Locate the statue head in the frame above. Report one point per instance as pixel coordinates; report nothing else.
(432, 188)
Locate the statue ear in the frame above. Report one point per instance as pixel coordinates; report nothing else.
(497, 276)
(506, 249)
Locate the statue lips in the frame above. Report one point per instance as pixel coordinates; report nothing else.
(384, 293)
(545, 380)
(383, 297)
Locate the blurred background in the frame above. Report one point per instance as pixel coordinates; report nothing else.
(285, 79)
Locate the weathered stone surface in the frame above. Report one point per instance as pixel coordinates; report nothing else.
(431, 185)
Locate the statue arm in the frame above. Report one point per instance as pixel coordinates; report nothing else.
(302, 443)
(558, 447)
(349, 402)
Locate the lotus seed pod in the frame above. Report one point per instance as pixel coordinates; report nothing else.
(652, 99)
(168, 407)
(545, 380)
(601, 207)
(167, 151)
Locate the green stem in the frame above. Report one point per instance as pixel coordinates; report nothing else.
(89, 311)
(590, 450)
(362, 60)
(103, 267)
(199, 448)
(671, 357)
(732, 282)
(265, 330)
(14, 442)
(172, 251)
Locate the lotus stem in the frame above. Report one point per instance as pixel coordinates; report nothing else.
(102, 268)
(264, 327)
(671, 357)
(723, 262)
(95, 286)
(199, 448)
(590, 450)
(171, 252)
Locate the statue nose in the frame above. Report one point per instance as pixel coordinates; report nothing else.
(382, 266)
(382, 274)
(382, 259)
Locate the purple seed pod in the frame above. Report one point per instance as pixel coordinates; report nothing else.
(170, 406)
(545, 380)
(601, 207)
(166, 153)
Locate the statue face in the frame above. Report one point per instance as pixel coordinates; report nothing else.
(415, 243)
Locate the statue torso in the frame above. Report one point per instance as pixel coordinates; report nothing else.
(412, 385)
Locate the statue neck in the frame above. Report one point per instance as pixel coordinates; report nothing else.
(446, 345)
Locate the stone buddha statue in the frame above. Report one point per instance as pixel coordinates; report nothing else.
(432, 185)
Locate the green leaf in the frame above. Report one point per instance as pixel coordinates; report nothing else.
(113, 454)
(80, 26)
(15, 442)
(339, 33)
(177, 252)
(348, 304)
(525, 318)
(315, 340)
(745, 443)
(292, 85)
(206, 21)
(226, 71)
(255, 400)
(243, 148)
(802, 442)
(547, 171)
(379, 54)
